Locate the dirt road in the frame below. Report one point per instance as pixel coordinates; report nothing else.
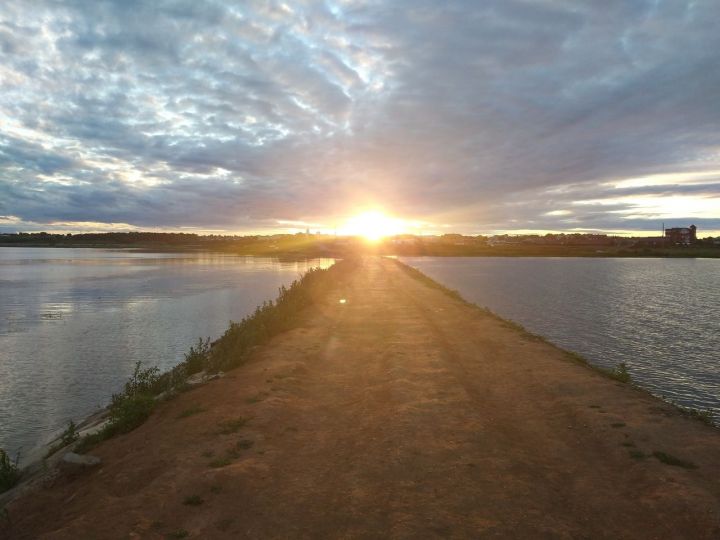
(401, 413)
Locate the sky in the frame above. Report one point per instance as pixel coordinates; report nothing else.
(477, 117)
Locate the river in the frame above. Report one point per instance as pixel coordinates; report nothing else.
(73, 323)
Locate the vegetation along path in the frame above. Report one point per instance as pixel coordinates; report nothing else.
(400, 412)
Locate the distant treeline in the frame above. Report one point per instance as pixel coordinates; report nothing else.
(320, 245)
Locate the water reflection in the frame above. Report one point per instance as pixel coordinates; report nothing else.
(73, 322)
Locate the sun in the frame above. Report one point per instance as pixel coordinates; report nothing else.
(373, 225)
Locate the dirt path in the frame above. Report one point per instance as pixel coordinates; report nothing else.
(401, 413)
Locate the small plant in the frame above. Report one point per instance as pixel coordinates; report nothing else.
(70, 435)
(667, 459)
(9, 472)
(257, 398)
(196, 358)
(67, 437)
(220, 462)
(193, 500)
(619, 373)
(180, 533)
(225, 524)
(245, 444)
(190, 411)
(617, 424)
(231, 426)
(636, 454)
(706, 416)
(215, 489)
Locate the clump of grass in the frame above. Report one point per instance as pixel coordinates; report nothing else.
(220, 462)
(191, 411)
(636, 454)
(668, 459)
(67, 437)
(9, 471)
(245, 444)
(617, 424)
(619, 373)
(128, 409)
(231, 426)
(225, 524)
(594, 406)
(257, 398)
(193, 500)
(215, 489)
(706, 416)
(180, 533)
(628, 444)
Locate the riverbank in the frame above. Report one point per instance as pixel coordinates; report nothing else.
(400, 412)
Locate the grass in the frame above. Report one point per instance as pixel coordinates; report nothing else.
(668, 459)
(191, 411)
(619, 373)
(193, 500)
(180, 533)
(706, 416)
(220, 462)
(245, 444)
(636, 454)
(232, 426)
(617, 424)
(130, 408)
(69, 436)
(9, 472)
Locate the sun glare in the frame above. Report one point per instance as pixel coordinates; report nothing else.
(373, 225)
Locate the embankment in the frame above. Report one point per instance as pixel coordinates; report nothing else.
(401, 412)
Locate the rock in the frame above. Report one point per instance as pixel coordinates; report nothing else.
(83, 460)
(202, 378)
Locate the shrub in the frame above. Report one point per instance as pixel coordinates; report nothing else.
(196, 358)
(9, 472)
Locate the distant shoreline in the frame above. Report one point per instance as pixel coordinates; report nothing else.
(428, 250)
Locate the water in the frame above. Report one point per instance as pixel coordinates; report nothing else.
(73, 322)
(659, 316)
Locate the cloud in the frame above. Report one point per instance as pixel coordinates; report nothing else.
(480, 116)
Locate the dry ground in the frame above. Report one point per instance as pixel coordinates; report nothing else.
(402, 413)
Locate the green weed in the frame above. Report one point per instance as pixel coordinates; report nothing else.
(9, 472)
(193, 500)
(232, 426)
(191, 411)
(667, 459)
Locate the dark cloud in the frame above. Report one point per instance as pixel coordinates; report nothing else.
(478, 116)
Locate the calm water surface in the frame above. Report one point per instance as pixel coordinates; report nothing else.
(659, 316)
(73, 322)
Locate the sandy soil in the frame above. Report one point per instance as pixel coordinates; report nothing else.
(400, 414)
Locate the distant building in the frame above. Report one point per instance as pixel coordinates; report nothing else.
(683, 236)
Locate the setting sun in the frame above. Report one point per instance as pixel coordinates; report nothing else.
(373, 225)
